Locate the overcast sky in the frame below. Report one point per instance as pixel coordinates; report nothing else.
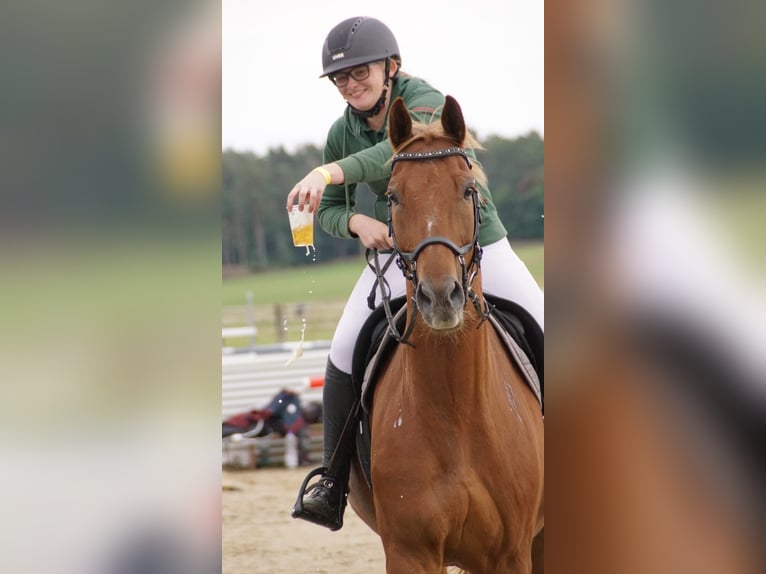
(486, 53)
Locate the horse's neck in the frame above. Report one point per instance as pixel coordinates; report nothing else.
(450, 363)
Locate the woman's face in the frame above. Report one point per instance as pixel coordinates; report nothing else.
(361, 93)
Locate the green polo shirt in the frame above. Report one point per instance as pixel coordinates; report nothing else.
(363, 154)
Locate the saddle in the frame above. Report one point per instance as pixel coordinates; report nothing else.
(521, 334)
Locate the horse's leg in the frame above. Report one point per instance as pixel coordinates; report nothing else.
(398, 562)
(538, 553)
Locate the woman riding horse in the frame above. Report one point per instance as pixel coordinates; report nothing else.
(361, 58)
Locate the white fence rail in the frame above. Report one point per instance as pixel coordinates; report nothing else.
(250, 380)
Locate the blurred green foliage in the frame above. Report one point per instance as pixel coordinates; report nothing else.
(255, 233)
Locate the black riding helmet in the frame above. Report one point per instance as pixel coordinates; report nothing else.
(356, 41)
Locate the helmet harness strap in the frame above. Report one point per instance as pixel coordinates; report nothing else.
(374, 110)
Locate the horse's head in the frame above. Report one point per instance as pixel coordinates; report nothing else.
(434, 212)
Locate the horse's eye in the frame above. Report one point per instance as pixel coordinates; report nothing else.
(469, 191)
(392, 198)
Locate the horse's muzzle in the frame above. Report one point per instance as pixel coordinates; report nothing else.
(441, 306)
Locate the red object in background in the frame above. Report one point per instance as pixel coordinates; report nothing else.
(315, 382)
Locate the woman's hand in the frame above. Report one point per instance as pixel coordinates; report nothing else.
(307, 192)
(372, 233)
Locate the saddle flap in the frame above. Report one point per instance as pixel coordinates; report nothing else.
(516, 323)
(373, 336)
(373, 342)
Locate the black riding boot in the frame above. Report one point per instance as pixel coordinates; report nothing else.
(325, 501)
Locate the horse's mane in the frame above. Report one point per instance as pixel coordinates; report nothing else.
(428, 132)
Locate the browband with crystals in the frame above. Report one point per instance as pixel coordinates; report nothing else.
(433, 154)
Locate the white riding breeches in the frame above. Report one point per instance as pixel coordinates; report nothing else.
(503, 274)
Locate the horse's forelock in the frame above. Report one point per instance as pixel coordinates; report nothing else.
(427, 133)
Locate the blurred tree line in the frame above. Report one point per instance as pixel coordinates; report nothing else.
(255, 231)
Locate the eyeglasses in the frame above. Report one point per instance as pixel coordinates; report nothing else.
(359, 73)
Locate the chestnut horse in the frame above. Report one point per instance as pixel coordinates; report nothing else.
(457, 434)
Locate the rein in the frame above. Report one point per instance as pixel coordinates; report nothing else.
(407, 260)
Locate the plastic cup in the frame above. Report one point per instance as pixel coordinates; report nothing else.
(302, 226)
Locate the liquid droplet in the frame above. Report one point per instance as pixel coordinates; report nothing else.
(298, 352)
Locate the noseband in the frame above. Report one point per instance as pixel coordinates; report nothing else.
(407, 260)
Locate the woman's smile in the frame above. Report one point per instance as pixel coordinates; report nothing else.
(357, 93)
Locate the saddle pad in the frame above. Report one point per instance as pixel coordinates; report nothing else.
(521, 359)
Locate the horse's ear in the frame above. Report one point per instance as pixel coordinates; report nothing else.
(399, 123)
(452, 120)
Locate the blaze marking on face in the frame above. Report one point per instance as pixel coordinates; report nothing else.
(430, 220)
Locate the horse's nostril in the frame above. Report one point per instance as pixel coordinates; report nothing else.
(457, 297)
(424, 296)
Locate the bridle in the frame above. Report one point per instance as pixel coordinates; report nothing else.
(407, 260)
